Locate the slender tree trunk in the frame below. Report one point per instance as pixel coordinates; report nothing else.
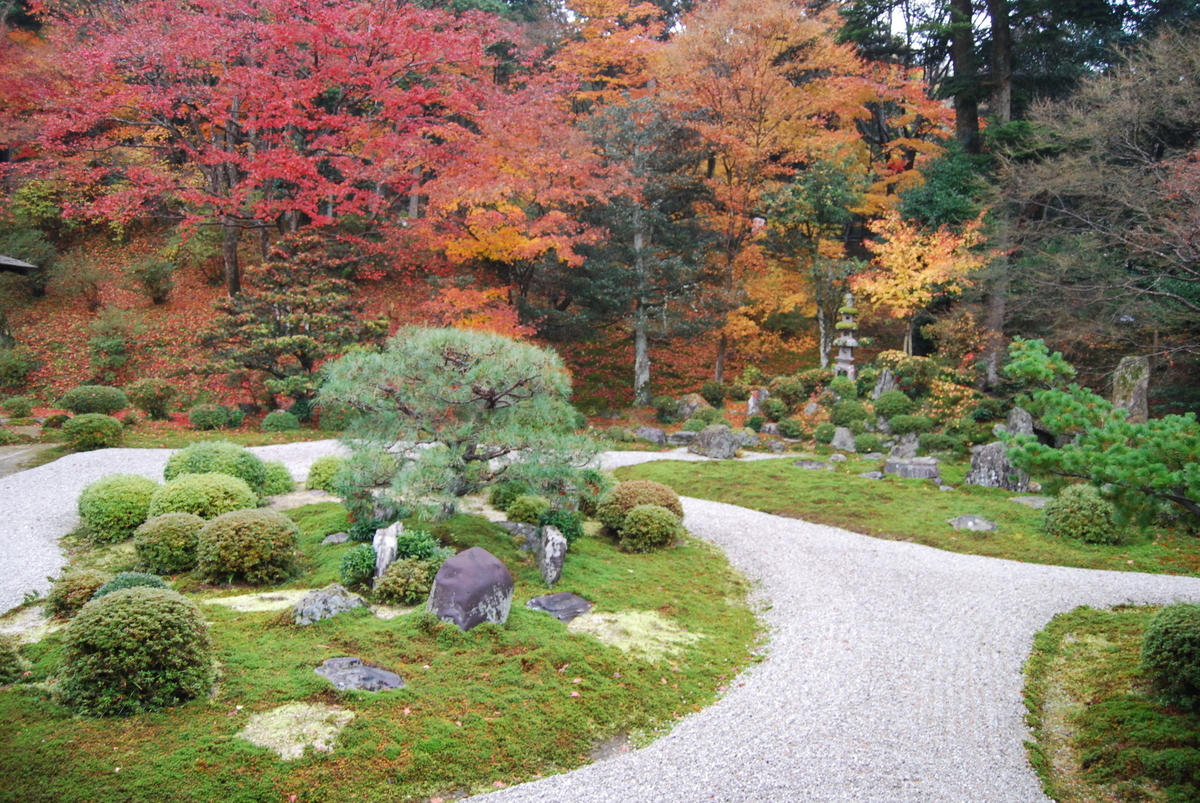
(641, 323)
(966, 106)
(997, 305)
(908, 335)
(823, 340)
(229, 253)
(722, 353)
(1001, 60)
(414, 195)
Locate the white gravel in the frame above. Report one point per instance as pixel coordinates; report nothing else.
(893, 672)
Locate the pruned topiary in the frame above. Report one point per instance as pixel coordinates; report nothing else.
(647, 528)
(257, 546)
(625, 496)
(1171, 654)
(279, 479)
(280, 421)
(125, 580)
(209, 416)
(527, 508)
(93, 431)
(205, 495)
(406, 582)
(322, 472)
(167, 543)
(218, 457)
(140, 649)
(892, 403)
(73, 590)
(93, 399)
(113, 507)
(1079, 511)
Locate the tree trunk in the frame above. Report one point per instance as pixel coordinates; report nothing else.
(823, 340)
(414, 195)
(641, 357)
(1001, 60)
(908, 335)
(229, 253)
(722, 353)
(966, 106)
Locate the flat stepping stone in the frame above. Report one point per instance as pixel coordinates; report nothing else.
(813, 465)
(971, 522)
(563, 606)
(1035, 502)
(351, 673)
(290, 728)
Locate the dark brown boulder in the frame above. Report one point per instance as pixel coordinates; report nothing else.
(472, 587)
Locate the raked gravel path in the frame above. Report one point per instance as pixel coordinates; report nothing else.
(893, 672)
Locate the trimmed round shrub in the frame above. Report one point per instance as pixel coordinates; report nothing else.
(93, 431)
(713, 392)
(844, 413)
(126, 580)
(209, 416)
(775, 409)
(755, 422)
(279, 479)
(666, 409)
(528, 508)
(566, 521)
(693, 425)
(17, 406)
(167, 543)
(357, 566)
(791, 428)
(938, 442)
(141, 649)
(625, 496)
(236, 417)
(738, 392)
(280, 421)
(857, 427)
(406, 582)
(867, 442)
(505, 492)
(647, 528)
(205, 495)
(93, 399)
(258, 546)
(710, 415)
(844, 386)
(55, 421)
(1171, 654)
(322, 473)
(11, 667)
(152, 396)
(114, 506)
(824, 433)
(908, 424)
(593, 486)
(892, 403)
(218, 457)
(1079, 511)
(73, 590)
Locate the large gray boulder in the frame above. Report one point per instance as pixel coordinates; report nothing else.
(472, 587)
(747, 437)
(991, 468)
(324, 603)
(917, 468)
(843, 440)
(551, 553)
(681, 438)
(905, 447)
(652, 434)
(1131, 388)
(716, 440)
(690, 404)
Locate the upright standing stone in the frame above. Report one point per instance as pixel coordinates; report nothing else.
(1131, 388)
(472, 587)
(991, 468)
(386, 547)
(1019, 422)
(755, 403)
(551, 552)
(885, 382)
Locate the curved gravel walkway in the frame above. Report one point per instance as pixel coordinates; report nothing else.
(893, 672)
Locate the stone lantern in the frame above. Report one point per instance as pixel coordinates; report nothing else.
(845, 341)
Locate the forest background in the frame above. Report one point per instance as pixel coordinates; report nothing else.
(228, 192)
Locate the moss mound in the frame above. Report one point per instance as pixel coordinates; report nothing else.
(257, 546)
(204, 495)
(113, 507)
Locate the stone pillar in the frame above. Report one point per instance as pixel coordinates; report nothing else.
(1131, 388)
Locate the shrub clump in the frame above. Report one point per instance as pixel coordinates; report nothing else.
(892, 403)
(775, 409)
(709, 416)
(209, 416)
(566, 522)
(73, 590)
(141, 649)
(628, 495)
(505, 492)
(11, 667)
(792, 428)
(528, 508)
(323, 471)
(167, 543)
(1079, 511)
(93, 431)
(844, 387)
(666, 409)
(1171, 654)
(279, 479)
(824, 433)
(406, 581)
(422, 546)
(693, 425)
(647, 528)
(126, 580)
(357, 566)
(713, 392)
(55, 421)
(152, 396)
(93, 399)
(755, 422)
(938, 442)
(205, 495)
(592, 488)
(280, 421)
(17, 406)
(218, 457)
(908, 424)
(258, 546)
(867, 442)
(844, 413)
(112, 507)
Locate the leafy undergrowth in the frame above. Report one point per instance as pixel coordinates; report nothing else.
(914, 510)
(1099, 735)
(483, 709)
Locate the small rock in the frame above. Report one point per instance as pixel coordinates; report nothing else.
(872, 475)
(843, 440)
(811, 408)
(653, 434)
(1035, 487)
(324, 603)
(882, 426)
(472, 587)
(972, 522)
(1035, 502)
(563, 606)
(872, 456)
(526, 535)
(690, 404)
(813, 465)
(905, 448)
(776, 446)
(551, 552)
(945, 487)
(747, 437)
(336, 538)
(352, 673)
(716, 441)
(991, 468)
(681, 438)
(837, 458)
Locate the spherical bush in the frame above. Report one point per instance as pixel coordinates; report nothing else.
(218, 457)
(791, 428)
(73, 590)
(279, 479)
(775, 409)
(357, 566)
(867, 442)
(406, 582)
(628, 495)
(1171, 654)
(846, 412)
(647, 528)
(141, 649)
(258, 546)
(93, 399)
(11, 666)
(93, 431)
(566, 522)
(113, 507)
(892, 403)
(528, 508)
(126, 580)
(152, 396)
(208, 416)
(1079, 511)
(824, 433)
(205, 495)
(323, 471)
(908, 424)
(280, 421)
(167, 543)
(17, 406)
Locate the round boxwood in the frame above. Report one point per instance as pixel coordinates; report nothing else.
(322, 472)
(93, 431)
(279, 479)
(218, 457)
(205, 495)
(73, 590)
(11, 666)
(824, 433)
(280, 421)
(406, 582)
(843, 413)
(209, 416)
(112, 507)
(625, 496)
(566, 522)
(125, 580)
(791, 428)
(258, 546)
(528, 508)
(892, 403)
(1171, 654)
(167, 543)
(93, 399)
(867, 442)
(357, 566)
(908, 424)
(1079, 511)
(140, 649)
(152, 396)
(647, 528)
